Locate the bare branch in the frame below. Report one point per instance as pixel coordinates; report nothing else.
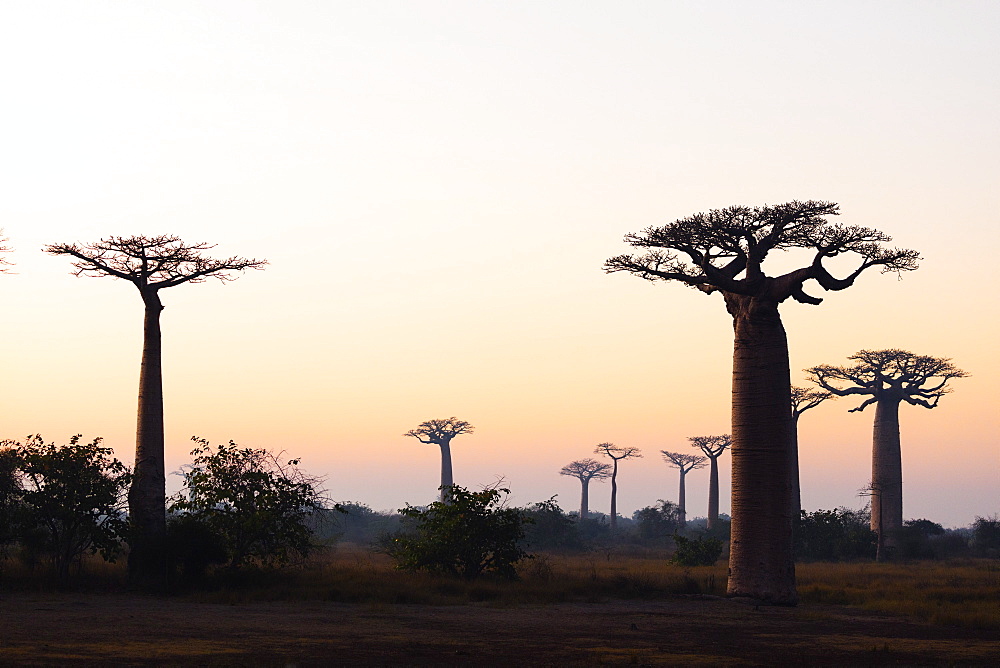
(712, 446)
(4, 248)
(151, 263)
(684, 461)
(617, 452)
(587, 469)
(440, 431)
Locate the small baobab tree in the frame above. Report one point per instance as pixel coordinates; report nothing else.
(440, 432)
(586, 470)
(150, 264)
(685, 463)
(713, 447)
(723, 251)
(616, 453)
(803, 399)
(887, 378)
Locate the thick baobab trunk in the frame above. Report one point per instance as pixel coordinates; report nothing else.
(887, 478)
(614, 497)
(584, 499)
(761, 562)
(147, 495)
(796, 509)
(446, 479)
(713, 493)
(681, 502)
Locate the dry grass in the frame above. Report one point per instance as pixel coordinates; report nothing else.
(954, 593)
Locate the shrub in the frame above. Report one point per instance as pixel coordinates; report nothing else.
(549, 528)
(466, 534)
(986, 536)
(702, 551)
(835, 535)
(70, 500)
(655, 524)
(256, 502)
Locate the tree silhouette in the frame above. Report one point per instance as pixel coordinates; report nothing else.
(616, 453)
(713, 447)
(803, 399)
(150, 264)
(723, 251)
(440, 432)
(684, 463)
(887, 378)
(586, 470)
(4, 248)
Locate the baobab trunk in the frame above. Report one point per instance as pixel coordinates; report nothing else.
(796, 509)
(713, 493)
(761, 562)
(446, 479)
(584, 499)
(147, 495)
(614, 497)
(887, 478)
(681, 503)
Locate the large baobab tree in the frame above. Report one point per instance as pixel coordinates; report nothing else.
(151, 264)
(440, 432)
(723, 251)
(803, 399)
(616, 453)
(886, 378)
(586, 470)
(685, 463)
(713, 447)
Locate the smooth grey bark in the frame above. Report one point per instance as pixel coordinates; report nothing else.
(682, 500)
(446, 478)
(887, 478)
(146, 497)
(761, 561)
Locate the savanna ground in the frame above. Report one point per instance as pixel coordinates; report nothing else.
(352, 608)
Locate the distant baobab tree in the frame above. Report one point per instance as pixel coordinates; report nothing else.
(886, 378)
(616, 453)
(440, 432)
(4, 248)
(586, 470)
(802, 400)
(150, 264)
(684, 463)
(723, 251)
(713, 447)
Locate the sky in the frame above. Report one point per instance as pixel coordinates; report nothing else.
(436, 186)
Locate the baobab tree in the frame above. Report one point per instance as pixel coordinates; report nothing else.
(722, 251)
(150, 264)
(887, 378)
(685, 463)
(440, 432)
(586, 470)
(803, 399)
(616, 453)
(713, 447)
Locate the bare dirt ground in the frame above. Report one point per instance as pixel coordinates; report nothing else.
(124, 629)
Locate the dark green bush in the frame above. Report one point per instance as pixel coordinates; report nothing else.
(701, 551)
(467, 534)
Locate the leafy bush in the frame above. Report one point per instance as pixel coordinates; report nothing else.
(835, 535)
(549, 528)
(655, 524)
(70, 499)
(986, 536)
(467, 534)
(701, 551)
(258, 504)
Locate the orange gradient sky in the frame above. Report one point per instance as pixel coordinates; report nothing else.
(436, 186)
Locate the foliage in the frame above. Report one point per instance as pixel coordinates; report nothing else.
(353, 522)
(835, 535)
(467, 534)
(549, 528)
(701, 551)
(71, 499)
(258, 504)
(656, 523)
(986, 536)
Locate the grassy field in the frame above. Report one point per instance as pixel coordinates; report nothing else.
(961, 593)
